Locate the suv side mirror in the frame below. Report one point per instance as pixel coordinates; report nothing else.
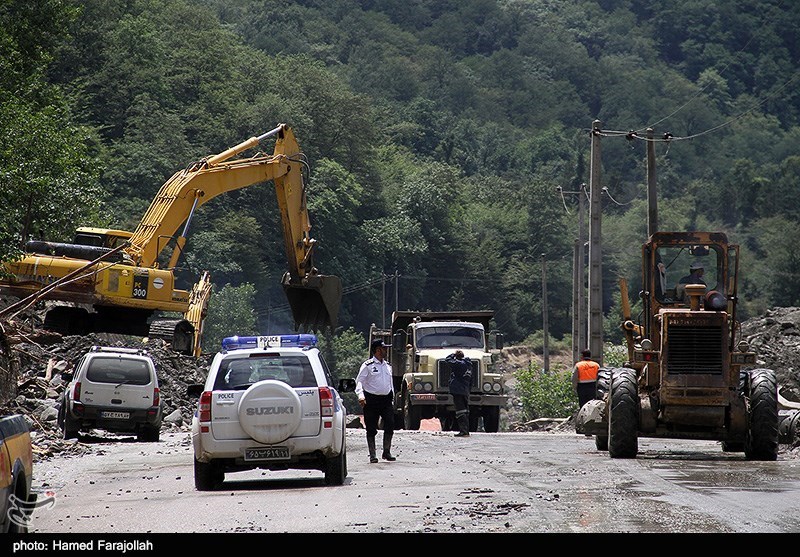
(347, 385)
(67, 376)
(194, 390)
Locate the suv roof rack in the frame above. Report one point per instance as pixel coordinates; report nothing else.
(119, 349)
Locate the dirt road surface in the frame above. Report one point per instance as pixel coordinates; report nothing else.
(487, 483)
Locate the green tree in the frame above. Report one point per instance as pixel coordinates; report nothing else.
(546, 395)
(230, 312)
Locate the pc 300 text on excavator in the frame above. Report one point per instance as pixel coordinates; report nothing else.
(115, 281)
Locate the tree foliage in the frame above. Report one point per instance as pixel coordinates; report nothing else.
(435, 132)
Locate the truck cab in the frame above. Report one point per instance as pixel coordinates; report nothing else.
(420, 343)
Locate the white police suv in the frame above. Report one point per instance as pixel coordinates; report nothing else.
(269, 402)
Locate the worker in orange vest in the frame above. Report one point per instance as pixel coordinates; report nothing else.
(584, 377)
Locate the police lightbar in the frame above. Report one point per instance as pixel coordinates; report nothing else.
(271, 341)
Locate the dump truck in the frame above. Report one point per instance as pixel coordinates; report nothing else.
(419, 343)
(689, 373)
(116, 281)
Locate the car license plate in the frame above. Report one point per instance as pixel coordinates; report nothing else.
(115, 415)
(267, 453)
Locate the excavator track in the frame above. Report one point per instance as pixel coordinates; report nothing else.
(179, 333)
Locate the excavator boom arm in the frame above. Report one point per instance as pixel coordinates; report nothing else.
(188, 189)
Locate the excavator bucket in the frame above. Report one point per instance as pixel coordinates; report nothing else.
(314, 301)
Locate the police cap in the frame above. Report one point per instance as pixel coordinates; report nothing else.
(695, 266)
(377, 343)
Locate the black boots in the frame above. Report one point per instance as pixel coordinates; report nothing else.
(371, 445)
(387, 445)
(463, 425)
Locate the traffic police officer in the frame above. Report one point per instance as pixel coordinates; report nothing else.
(375, 392)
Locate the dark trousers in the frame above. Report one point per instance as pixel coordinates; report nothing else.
(460, 402)
(376, 407)
(462, 412)
(586, 392)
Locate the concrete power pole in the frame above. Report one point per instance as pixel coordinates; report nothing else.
(546, 332)
(595, 251)
(579, 328)
(577, 287)
(652, 199)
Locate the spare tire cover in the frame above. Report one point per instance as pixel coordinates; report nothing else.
(270, 411)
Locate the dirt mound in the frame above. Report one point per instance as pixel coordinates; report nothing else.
(775, 338)
(41, 357)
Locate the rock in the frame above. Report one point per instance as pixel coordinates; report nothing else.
(49, 414)
(174, 417)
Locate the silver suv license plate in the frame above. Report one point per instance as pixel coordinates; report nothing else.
(267, 453)
(115, 415)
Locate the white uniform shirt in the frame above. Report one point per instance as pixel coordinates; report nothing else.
(374, 377)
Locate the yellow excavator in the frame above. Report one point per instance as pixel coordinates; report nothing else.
(112, 281)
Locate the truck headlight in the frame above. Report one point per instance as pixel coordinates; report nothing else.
(487, 387)
(497, 387)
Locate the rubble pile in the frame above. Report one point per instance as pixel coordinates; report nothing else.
(775, 338)
(42, 358)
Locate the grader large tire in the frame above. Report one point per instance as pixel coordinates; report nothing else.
(603, 382)
(623, 419)
(601, 390)
(761, 441)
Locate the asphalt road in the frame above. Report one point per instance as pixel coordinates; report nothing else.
(490, 483)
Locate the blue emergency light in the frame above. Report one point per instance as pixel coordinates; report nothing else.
(301, 340)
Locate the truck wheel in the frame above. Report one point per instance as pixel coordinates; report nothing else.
(474, 418)
(399, 420)
(208, 476)
(601, 442)
(761, 441)
(491, 419)
(623, 419)
(448, 423)
(412, 415)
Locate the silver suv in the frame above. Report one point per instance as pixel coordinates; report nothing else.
(115, 389)
(269, 402)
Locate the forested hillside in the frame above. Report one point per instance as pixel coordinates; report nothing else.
(437, 132)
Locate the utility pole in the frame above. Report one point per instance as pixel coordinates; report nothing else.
(577, 286)
(546, 333)
(383, 300)
(652, 200)
(396, 290)
(579, 329)
(595, 251)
